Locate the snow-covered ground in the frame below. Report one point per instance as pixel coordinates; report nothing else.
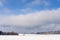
(30, 37)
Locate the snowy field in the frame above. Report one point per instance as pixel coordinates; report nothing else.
(31, 37)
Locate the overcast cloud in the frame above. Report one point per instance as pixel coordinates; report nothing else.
(38, 18)
(39, 21)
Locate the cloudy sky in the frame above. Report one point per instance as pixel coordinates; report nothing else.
(29, 15)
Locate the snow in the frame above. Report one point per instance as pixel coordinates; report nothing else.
(30, 37)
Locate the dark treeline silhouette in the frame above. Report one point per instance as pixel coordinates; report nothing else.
(50, 32)
(8, 33)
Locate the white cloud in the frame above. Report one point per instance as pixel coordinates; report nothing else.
(27, 10)
(33, 19)
(39, 2)
(2, 2)
(34, 3)
(6, 10)
(23, 1)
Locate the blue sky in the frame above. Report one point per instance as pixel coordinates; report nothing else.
(17, 7)
(29, 15)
